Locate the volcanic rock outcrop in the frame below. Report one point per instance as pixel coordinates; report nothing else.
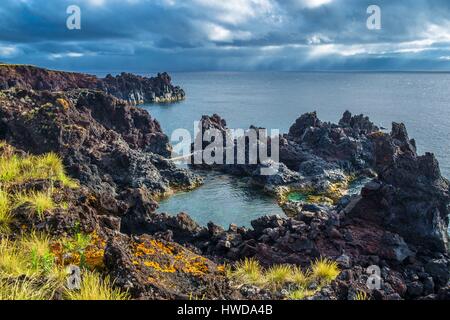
(132, 88)
(107, 144)
(397, 223)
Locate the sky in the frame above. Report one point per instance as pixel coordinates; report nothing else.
(227, 35)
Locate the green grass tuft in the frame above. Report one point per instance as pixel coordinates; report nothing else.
(41, 259)
(5, 212)
(40, 202)
(9, 169)
(277, 276)
(325, 271)
(291, 278)
(13, 260)
(361, 296)
(301, 294)
(248, 271)
(15, 169)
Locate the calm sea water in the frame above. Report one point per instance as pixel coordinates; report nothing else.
(275, 99)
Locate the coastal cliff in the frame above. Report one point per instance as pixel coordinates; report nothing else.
(81, 171)
(132, 88)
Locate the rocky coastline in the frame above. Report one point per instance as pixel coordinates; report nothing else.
(117, 155)
(133, 88)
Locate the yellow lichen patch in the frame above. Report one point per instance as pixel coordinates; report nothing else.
(63, 103)
(221, 269)
(165, 258)
(162, 248)
(141, 250)
(196, 266)
(157, 267)
(81, 250)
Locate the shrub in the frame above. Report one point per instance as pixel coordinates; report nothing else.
(93, 287)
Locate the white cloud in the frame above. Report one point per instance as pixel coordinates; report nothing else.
(7, 51)
(311, 4)
(219, 33)
(97, 2)
(233, 12)
(54, 56)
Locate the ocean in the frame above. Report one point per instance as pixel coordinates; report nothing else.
(274, 100)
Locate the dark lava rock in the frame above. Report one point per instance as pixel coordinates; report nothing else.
(126, 86)
(107, 144)
(439, 270)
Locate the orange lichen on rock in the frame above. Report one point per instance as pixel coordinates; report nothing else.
(157, 267)
(63, 103)
(165, 258)
(88, 253)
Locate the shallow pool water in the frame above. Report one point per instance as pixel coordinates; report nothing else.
(224, 200)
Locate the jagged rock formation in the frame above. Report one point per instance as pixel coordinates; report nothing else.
(107, 144)
(118, 153)
(132, 88)
(399, 221)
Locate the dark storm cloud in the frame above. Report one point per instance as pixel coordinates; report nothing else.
(230, 35)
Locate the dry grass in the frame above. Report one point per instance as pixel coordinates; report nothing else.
(39, 202)
(13, 260)
(26, 289)
(28, 271)
(15, 170)
(93, 287)
(5, 212)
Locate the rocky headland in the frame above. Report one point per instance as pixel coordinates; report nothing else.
(115, 164)
(132, 88)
